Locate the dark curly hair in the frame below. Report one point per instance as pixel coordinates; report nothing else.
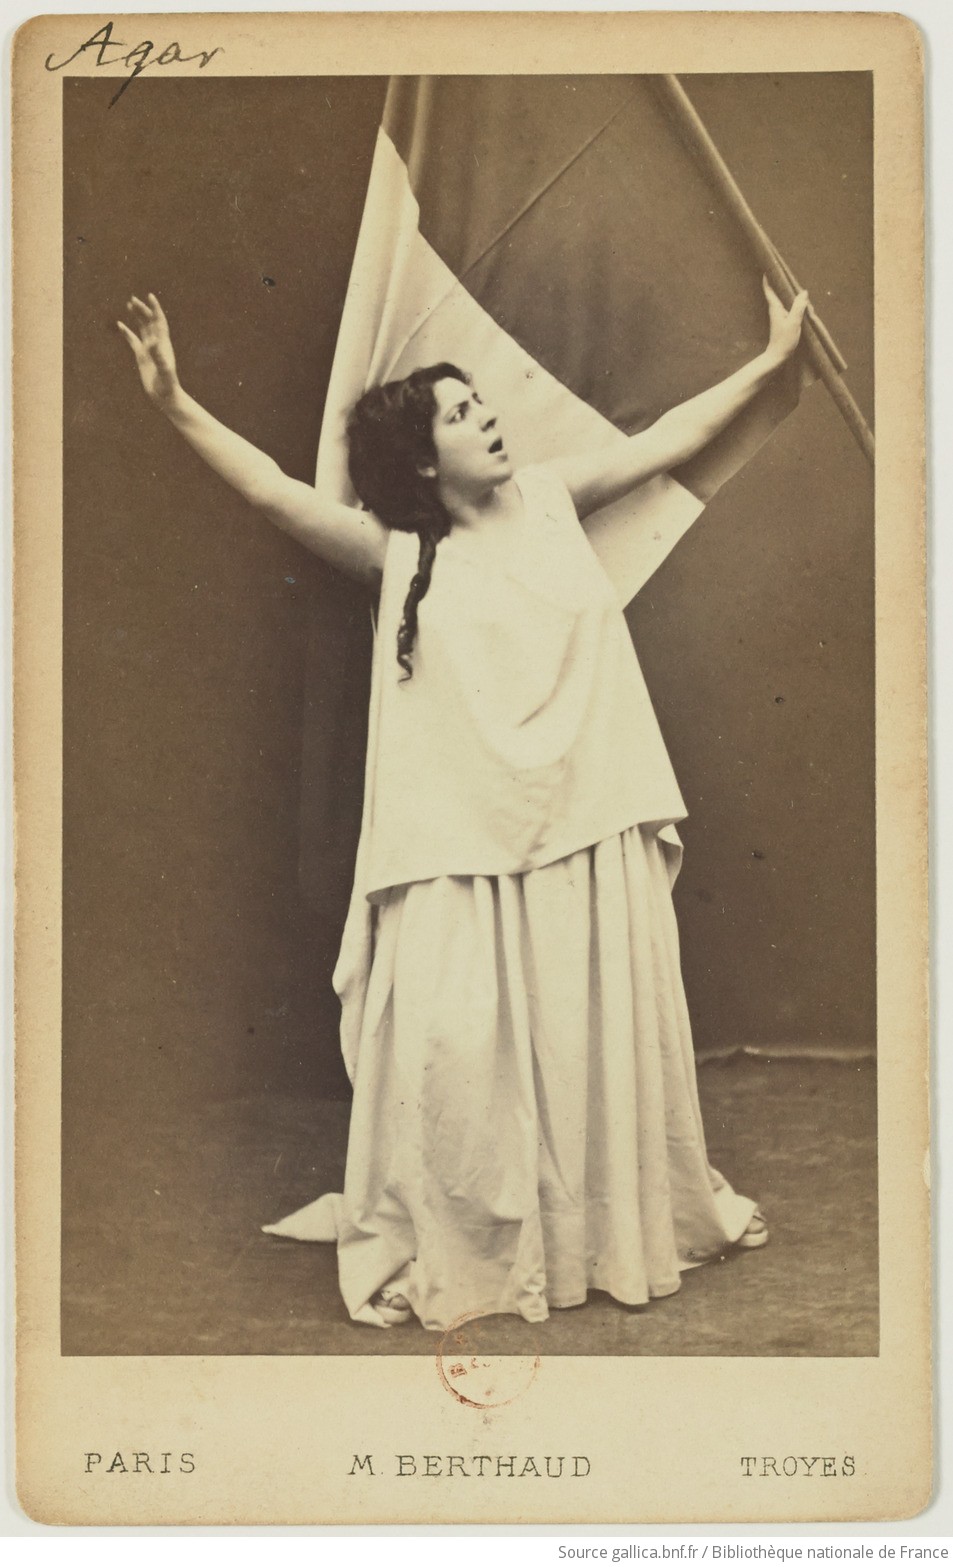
(390, 438)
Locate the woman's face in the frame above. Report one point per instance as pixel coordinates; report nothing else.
(471, 457)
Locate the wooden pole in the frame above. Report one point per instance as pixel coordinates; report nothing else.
(818, 344)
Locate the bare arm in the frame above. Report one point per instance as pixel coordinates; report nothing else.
(596, 478)
(342, 535)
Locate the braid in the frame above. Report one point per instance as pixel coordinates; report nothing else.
(390, 440)
(419, 583)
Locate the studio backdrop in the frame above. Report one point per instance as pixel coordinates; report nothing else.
(216, 675)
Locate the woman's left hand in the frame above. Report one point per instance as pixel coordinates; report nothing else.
(785, 325)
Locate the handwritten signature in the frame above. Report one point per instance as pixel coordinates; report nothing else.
(135, 59)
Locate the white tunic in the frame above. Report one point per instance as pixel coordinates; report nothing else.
(526, 731)
(525, 1124)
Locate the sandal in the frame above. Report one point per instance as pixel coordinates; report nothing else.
(392, 1306)
(756, 1234)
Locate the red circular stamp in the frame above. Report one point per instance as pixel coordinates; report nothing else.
(475, 1377)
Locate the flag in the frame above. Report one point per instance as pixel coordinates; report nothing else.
(558, 238)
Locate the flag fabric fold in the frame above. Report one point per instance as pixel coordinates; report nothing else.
(558, 238)
(555, 237)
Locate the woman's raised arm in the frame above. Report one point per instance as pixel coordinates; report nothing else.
(596, 478)
(342, 535)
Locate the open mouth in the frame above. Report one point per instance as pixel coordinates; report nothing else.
(497, 446)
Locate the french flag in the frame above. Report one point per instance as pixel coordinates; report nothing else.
(564, 240)
(577, 244)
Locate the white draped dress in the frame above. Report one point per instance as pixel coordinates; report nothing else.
(525, 1124)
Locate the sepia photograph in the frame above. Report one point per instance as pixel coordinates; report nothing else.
(530, 334)
(470, 818)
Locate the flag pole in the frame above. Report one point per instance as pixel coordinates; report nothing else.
(816, 339)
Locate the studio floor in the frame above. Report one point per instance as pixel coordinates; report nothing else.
(163, 1254)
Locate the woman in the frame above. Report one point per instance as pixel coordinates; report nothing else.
(525, 1124)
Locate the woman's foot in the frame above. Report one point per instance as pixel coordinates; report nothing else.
(756, 1234)
(392, 1306)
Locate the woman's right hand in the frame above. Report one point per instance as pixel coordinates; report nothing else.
(152, 347)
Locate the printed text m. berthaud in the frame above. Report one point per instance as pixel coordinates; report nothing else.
(482, 1466)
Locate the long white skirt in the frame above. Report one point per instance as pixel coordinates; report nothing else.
(526, 1124)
